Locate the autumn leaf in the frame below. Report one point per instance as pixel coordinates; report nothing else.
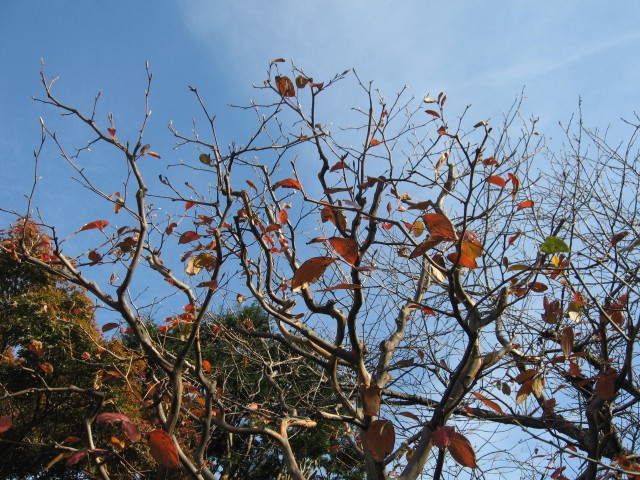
(309, 272)
(462, 451)
(374, 142)
(94, 256)
(515, 181)
(489, 403)
(288, 183)
(285, 86)
(340, 286)
(442, 437)
(605, 387)
(496, 180)
(46, 368)
(112, 132)
(439, 226)
(566, 341)
(525, 204)
(335, 216)
(615, 239)
(131, 431)
(5, 424)
(283, 217)
(433, 113)
(524, 392)
(301, 81)
(99, 224)
(440, 162)
(347, 248)
(110, 417)
(162, 449)
(372, 400)
(109, 326)
(188, 236)
(76, 457)
(197, 263)
(381, 438)
(37, 348)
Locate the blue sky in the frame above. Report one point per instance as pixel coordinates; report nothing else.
(480, 53)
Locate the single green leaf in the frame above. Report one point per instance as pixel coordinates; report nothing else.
(553, 245)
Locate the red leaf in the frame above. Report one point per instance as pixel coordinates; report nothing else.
(433, 113)
(94, 256)
(309, 272)
(110, 417)
(347, 248)
(75, 457)
(374, 142)
(605, 387)
(46, 367)
(112, 132)
(381, 438)
(442, 437)
(109, 326)
(525, 204)
(538, 287)
(439, 226)
(496, 180)
(189, 204)
(283, 217)
(490, 161)
(285, 86)
(288, 183)
(515, 237)
(131, 431)
(462, 451)
(5, 424)
(617, 237)
(188, 236)
(99, 224)
(162, 449)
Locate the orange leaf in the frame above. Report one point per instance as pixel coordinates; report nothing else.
(524, 392)
(489, 403)
(424, 246)
(99, 224)
(374, 142)
(309, 272)
(162, 449)
(439, 225)
(206, 366)
(188, 236)
(252, 185)
(288, 183)
(496, 180)
(112, 132)
(94, 256)
(283, 217)
(153, 154)
(538, 287)
(381, 438)
(525, 204)
(285, 86)
(490, 161)
(347, 248)
(46, 367)
(410, 415)
(441, 437)
(37, 348)
(462, 451)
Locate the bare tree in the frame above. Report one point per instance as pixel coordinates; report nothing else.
(448, 286)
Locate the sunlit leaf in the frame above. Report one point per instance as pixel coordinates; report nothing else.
(198, 262)
(162, 449)
(417, 228)
(489, 403)
(285, 86)
(462, 451)
(99, 224)
(525, 204)
(496, 180)
(309, 272)
(440, 162)
(374, 142)
(523, 392)
(347, 248)
(439, 226)
(37, 348)
(442, 437)
(46, 368)
(381, 438)
(288, 183)
(553, 245)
